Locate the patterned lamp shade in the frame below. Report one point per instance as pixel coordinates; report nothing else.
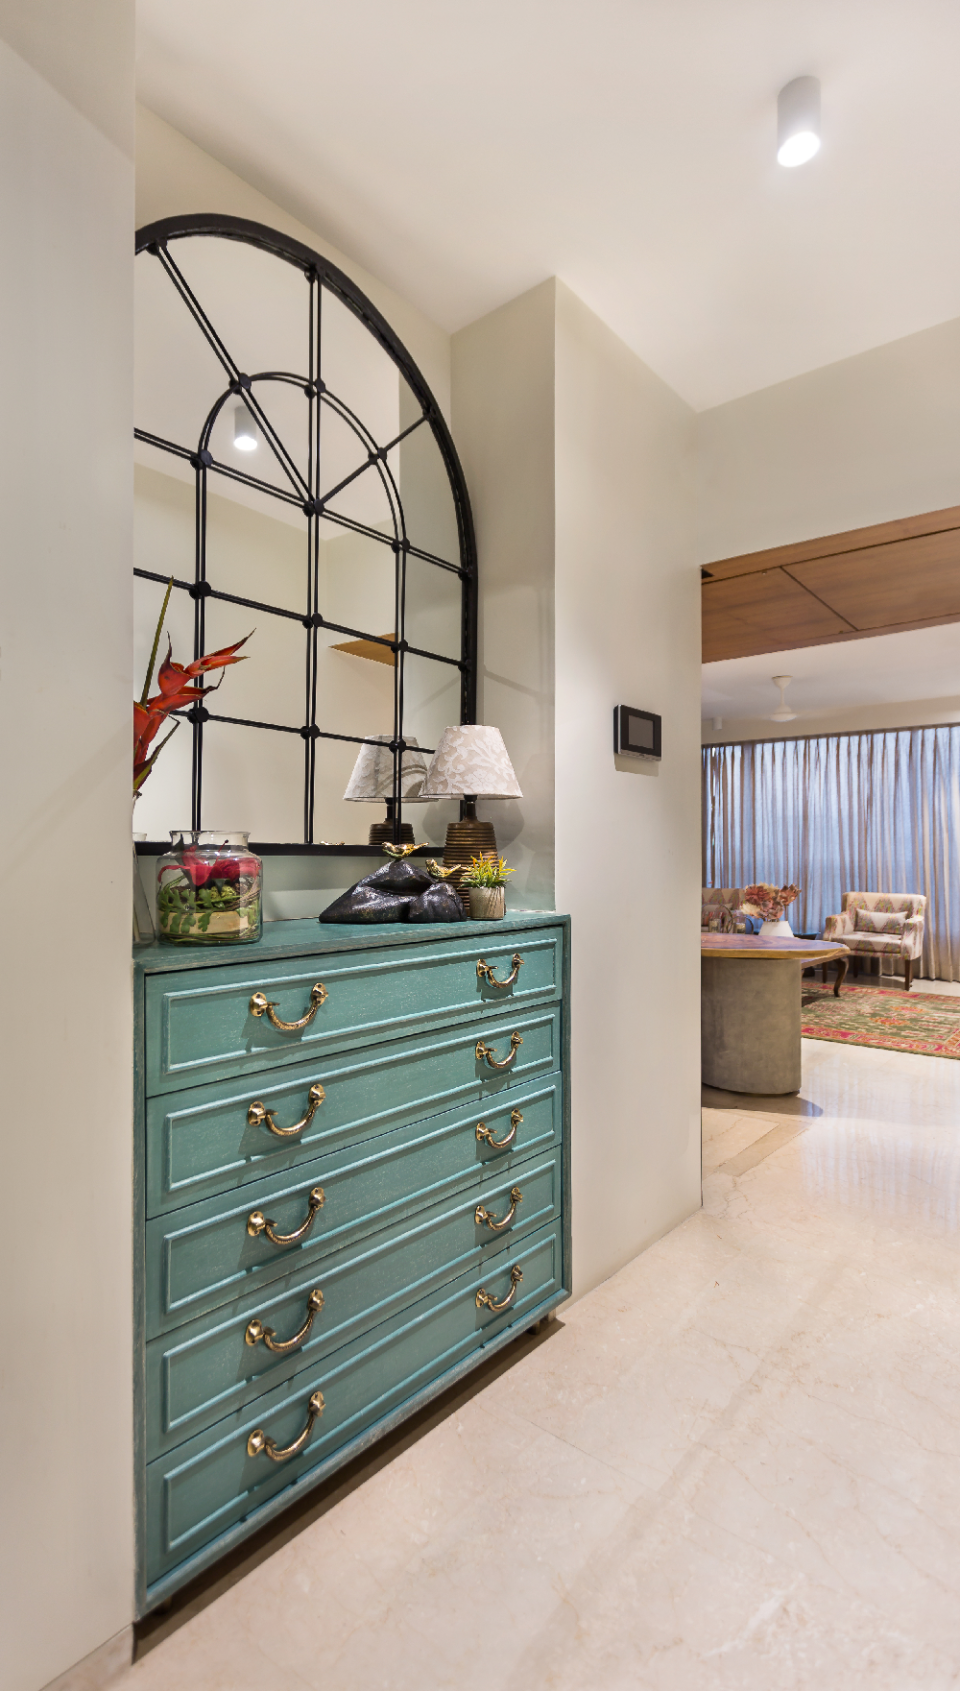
(372, 776)
(471, 760)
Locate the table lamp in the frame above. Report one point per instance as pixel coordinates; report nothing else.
(470, 763)
(372, 780)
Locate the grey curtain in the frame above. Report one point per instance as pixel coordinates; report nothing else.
(848, 812)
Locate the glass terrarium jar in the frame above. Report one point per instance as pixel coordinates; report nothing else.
(208, 890)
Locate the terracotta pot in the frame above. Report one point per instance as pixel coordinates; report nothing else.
(487, 904)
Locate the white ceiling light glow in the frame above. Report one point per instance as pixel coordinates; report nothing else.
(244, 430)
(798, 121)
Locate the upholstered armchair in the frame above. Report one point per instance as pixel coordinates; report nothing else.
(717, 904)
(882, 925)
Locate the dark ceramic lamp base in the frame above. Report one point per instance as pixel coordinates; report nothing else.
(382, 833)
(466, 839)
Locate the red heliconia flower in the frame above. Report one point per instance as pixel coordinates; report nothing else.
(197, 868)
(179, 688)
(226, 869)
(175, 678)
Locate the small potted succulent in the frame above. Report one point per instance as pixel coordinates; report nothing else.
(484, 882)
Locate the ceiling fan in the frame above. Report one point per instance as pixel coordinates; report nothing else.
(783, 713)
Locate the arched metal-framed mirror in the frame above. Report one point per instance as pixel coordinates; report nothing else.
(294, 471)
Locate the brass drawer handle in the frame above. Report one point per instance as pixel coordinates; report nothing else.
(487, 1051)
(485, 1132)
(257, 1222)
(483, 1218)
(486, 1299)
(485, 971)
(258, 1440)
(258, 1114)
(260, 1005)
(257, 1331)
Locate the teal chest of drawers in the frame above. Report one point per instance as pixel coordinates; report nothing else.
(352, 1185)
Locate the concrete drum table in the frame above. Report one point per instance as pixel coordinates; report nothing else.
(750, 991)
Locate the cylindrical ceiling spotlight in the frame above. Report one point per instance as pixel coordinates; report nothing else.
(244, 430)
(798, 121)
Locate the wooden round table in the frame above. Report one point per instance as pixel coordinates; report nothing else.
(750, 990)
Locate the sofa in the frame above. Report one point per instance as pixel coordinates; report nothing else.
(885, 925)
(718, 904)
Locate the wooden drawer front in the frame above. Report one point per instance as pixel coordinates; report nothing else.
(199, 1024)
(201, 1142)
(199, 1490)
(202, 1255)
(205, 1369)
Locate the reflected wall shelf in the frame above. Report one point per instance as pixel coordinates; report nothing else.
(371, 649)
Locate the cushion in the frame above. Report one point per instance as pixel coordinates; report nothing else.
(888, 944)
(879, 922)
(912, 904)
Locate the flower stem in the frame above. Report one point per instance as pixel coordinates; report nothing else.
(156, 642)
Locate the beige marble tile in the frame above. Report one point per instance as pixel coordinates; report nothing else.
(213, 1652)
(102, 1668)
(733, 1467)
(426, 1566)
(728, 1132)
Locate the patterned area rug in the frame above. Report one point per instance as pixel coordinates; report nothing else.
(895, 1020)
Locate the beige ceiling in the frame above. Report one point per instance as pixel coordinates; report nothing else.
(923, 664)
(463, 151)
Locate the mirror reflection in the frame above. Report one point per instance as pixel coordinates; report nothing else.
(294, 477)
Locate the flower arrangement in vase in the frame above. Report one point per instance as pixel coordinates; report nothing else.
(769, 902)
(208, 887)
(485, 883)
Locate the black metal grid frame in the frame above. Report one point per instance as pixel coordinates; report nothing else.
(306, 494)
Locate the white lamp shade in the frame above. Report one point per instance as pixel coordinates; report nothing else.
(471, 760)
(372, 776)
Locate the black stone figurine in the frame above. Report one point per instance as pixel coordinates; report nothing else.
(396, 892)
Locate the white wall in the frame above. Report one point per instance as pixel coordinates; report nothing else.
(861, 441)
(628, 833)
(580, 467)
(66, 209)
(175, 176)
(503, 418)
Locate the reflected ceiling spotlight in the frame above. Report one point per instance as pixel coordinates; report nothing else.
(783, 713)
(798, 121)
(244, 430)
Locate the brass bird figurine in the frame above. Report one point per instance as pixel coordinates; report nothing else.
(438, 872)
(399, 850)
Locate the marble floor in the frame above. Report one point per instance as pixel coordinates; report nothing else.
(733, 1467)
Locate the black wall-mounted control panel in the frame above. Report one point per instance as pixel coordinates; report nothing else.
(636, 733)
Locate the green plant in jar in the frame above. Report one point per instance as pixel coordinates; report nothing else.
(486, 872)
(209, 890)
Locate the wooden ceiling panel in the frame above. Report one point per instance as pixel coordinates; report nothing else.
(763, 613)
(905, 581)
(883, 579)
(828, 546)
